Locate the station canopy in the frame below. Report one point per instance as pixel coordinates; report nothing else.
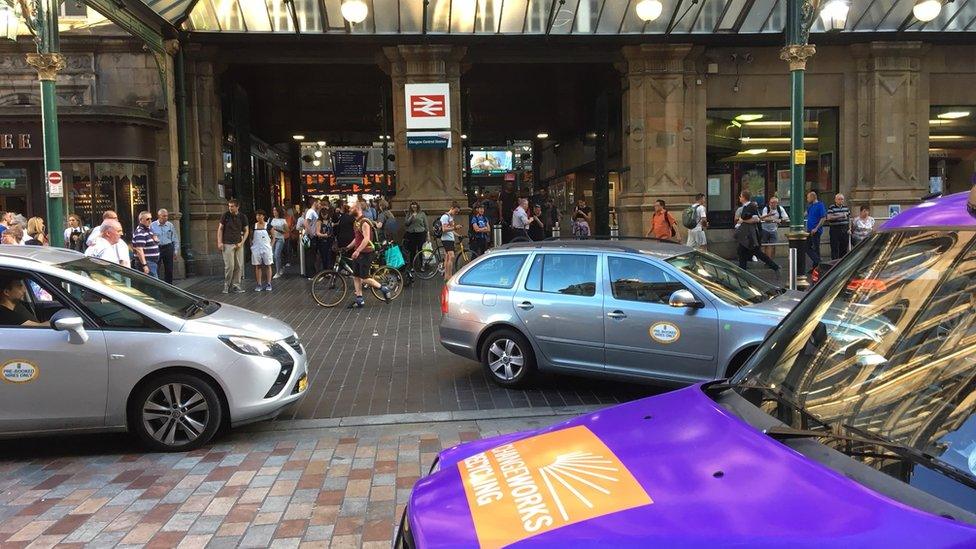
(541, 17)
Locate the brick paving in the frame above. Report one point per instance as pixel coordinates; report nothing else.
(263, 487)
(386, 359)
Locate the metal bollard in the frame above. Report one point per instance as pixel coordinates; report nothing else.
(614, 232)
(301, 255)
(792, 268)
(556, 231)
(496, 234)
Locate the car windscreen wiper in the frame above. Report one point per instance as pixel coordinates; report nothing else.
(901, 451)
(195, 307)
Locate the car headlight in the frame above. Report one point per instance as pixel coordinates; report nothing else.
(250, 345)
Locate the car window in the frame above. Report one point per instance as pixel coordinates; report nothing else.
(34, 306)
(145, 289)
(106, 312)
(568, 274)
(726, 281)
(494, 272)
(636, 280)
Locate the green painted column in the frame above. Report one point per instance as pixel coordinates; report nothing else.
(48, 61)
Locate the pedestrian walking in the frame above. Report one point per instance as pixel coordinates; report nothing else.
(74, 234)
(169, 244)
(325, 237)
(280, 232)
(232, 232)
(480, 230)
(663, 224)
(262, 252)
(109, 245)
(35, 232)
(695, 219)
(415, 231)
(816, 215)
(581, 219)
(146, 246)
(773, 215)
(747, 234)
(863, 225)
(839, 224)
(448, 238)
(96, 232)
(362, 258)
(537, 228)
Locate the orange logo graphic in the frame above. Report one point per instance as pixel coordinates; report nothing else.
(545, 482)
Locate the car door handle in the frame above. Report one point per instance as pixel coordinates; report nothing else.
(116, 357)
(617, 314)
(525, 305)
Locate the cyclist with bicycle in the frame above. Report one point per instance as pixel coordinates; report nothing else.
(480, 229)
(362, 257)
(448, 239)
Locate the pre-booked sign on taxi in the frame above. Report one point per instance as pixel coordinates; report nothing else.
(531, 486)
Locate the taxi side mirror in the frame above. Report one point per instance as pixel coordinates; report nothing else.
(66, 320)
(683, 299)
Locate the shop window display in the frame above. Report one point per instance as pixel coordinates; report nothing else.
(119, 186)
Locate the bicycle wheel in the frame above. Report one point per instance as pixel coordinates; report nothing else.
(462, 258)
(425, 264)
(391, 278)
(328, 288)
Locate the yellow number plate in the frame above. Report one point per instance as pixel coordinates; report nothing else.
(303, 384)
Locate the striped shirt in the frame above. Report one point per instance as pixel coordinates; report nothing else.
(143, 237)
(841, 215)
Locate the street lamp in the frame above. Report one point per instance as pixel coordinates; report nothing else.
(926, 10)
(649, 10)
(8, 22)
(355, 11)
(834, 15)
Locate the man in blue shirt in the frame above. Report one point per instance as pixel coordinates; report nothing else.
(169, 243)
(816, 214)
(480, 229)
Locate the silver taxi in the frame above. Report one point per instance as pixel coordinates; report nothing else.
(86, 345)
(628, 309)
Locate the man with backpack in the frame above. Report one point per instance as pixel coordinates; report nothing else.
(362, 257)
(694, 219)
(773, 215)
(747, 234)
(663, 225)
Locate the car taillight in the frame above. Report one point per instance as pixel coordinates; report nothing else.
(445, 297)
(815, 274)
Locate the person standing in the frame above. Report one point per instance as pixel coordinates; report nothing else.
(370, 210)
(863, 225)
(480, 229)
(4, 225)
(146, 245)
(35, 232)
(386, 221)
(362, 258)
(232, 232)
(839, 223)
(169, 243)
(262, 252)
(74, 234)
(309, 220)
(109, 246)
(12, 236)
(816, 215)
(415, 227)
(663, 224)
(448, 238)
(507, 202)
(279, 232)
(521, 220)
(343, 226)
(325, 237)
(747, 234)
(581, 219)
(537, 229)
(696, 234)
(773, 215)
(97, 231)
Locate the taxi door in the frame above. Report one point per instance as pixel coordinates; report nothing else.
(48, 382)
(645, 336)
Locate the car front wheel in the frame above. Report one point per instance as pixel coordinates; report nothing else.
(507, 358)
(175, 413)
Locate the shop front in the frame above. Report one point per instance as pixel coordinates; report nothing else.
(108, 160)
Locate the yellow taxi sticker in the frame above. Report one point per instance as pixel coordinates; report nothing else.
(19, 371)
(531, 486)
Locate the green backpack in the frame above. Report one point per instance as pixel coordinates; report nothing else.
(689, 217)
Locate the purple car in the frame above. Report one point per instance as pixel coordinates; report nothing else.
(853, 425)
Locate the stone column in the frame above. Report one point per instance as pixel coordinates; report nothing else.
(432, 177)
(892, 124)
(664, 138)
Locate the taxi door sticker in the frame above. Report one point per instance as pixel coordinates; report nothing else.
(19, 371)
(528, 487)
(664, 332)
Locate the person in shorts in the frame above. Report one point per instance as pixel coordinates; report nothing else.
(362, 257)
(773, 215)
(262, 252)
(696, 235)
(448, 238)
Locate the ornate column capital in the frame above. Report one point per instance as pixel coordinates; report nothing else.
(47, 64)
(657, 58)
(797, 54)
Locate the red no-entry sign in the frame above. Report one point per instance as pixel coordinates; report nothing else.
(55, 186)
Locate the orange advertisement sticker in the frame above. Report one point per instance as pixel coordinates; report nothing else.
(532, 486)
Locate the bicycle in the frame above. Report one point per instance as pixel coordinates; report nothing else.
(329, 286)
(427, 263)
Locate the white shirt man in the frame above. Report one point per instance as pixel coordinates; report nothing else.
(311, 216)
(521, 219)
(110, 246)
(696, 236)
(97, 231)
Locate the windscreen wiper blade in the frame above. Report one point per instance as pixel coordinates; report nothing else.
(901, 451)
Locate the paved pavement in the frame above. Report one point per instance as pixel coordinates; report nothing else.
(275, 485)
(386, 359)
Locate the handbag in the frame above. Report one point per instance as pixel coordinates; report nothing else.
(394, 257)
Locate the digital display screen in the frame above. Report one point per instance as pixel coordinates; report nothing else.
(491, 162)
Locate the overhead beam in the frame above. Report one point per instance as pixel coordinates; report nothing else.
(130, 17)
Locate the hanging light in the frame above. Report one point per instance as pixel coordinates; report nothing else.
(926, 10)
(355, 11)
(649, 10)
(8, 22)
(834, 15)
(316, 162)
(318, 154)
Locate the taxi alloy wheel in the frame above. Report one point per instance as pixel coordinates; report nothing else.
(176, 413)
(507, 357)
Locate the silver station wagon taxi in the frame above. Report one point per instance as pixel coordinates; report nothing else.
(629, 309)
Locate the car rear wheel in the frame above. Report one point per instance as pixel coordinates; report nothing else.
(175, 413)
(507, 358)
